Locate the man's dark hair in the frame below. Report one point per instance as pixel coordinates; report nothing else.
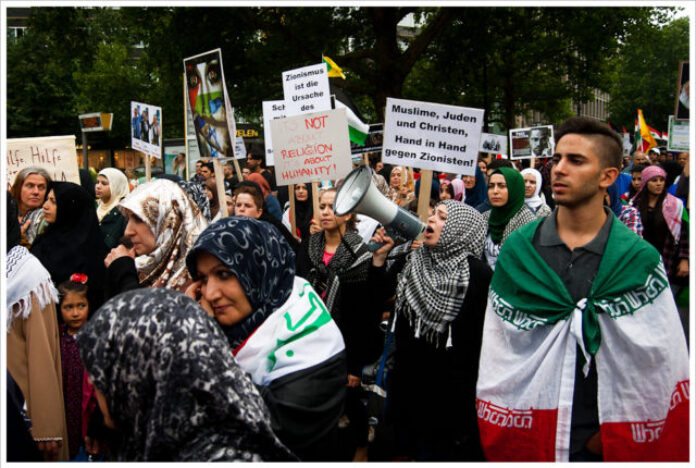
(210, 166)
(497, 163)
(607, 141)
(638, 168)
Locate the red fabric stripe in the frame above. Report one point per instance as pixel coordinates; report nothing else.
(517, 435)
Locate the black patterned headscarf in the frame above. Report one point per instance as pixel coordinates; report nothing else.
(432, 286)
(173, 389)
(261, 259)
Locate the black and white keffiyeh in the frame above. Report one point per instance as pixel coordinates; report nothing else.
(173, 389)
(431, 288)
(349, 264)
(26, 276)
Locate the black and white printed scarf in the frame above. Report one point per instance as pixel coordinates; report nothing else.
(431, 287)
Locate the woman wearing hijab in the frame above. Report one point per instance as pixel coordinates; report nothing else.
(271, 202)
(72, 242)
(304, 211)
(162, 223)
(475, 190)
(278, 328)
(401, 186)
(532, 193)
(664, 224)
(441, 295)
(336, 262)
(33, 345)
(459, 190)
(508, 211)
(111, 187)
(167, 384)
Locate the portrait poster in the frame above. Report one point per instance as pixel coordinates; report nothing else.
(175, 160)
(146, 128)
(493, 143)
(532, 142)
(683, 94)
(212, 114)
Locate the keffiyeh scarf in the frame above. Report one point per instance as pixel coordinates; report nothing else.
(432, 286)
(172, 387)
(176, 223)
(26, 276)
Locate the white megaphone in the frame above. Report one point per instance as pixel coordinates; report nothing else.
(358, 194)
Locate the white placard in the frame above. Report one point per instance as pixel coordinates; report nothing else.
(532, 142)
(492, 143)
(146, 128)
(240, 151)
(431, 136)
(306, 90)
(626, 144)
(679, 131)
(311, 147)
(56, 154)
(271, 110)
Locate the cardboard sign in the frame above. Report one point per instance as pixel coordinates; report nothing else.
(306, 90)
(627, 145)
(492, 143)
(431, 136)
(532, 142)
(56, 154)
(271, 110)
(213, 116)
(679, 131)
(146, 128)
(311, 147)
(240, 151)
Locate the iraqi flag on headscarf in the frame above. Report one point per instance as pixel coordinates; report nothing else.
(628, 327)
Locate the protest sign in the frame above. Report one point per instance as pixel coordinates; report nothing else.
(213, 116)
(271, 110)
(679, 131)
(146, 128)
(175, 160)
(431, 136)
(240, 151)
(627, 144)
(373, 142)
(681, 101)
(311, 147)
(492, 143)
(531, 142)
(56, 154)
(306, 90)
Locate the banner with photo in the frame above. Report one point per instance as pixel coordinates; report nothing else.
(213, 116)
(532, 142)
(681, 104)
(679, 132)
(492, 143)
(175, 160)
(146, 128)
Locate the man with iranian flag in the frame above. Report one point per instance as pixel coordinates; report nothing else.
(583, 355)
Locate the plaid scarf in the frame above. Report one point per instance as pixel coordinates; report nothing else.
(432, 286)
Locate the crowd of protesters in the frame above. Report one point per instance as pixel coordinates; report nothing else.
(144, 324)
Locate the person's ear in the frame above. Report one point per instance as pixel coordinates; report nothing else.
(607, 177)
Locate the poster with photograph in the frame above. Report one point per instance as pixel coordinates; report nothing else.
(213, 117)
(679, 132)
(175, 160)
(146, 128)
(681, 106)
(492, 143)
(532, 142)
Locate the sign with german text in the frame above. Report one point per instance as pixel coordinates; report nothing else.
(678, 139)
(56, 154)
(311, 147)
(431, 136)
(306, 90)
(271, 110)
(146, 128)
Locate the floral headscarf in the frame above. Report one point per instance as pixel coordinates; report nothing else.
(175, 222)
(172, 387)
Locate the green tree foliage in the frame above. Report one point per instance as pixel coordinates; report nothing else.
(645, 75)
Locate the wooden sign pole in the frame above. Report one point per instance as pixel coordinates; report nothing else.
(293, 219)
(315, 199)
(148, 171)
(220, 186)
(426, 181)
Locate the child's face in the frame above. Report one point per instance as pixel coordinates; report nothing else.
(74, 310)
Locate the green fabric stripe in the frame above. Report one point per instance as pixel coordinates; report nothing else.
(356, 136)
(524, 280)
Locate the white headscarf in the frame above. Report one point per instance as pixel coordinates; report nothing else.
(535, 201)
(118, 183)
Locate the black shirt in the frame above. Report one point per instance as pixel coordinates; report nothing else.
(577, 269)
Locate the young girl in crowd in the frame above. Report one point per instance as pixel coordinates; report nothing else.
(111, 187)
(78, 393)
(508, 212)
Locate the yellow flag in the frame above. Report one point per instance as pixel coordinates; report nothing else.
(648, 139)
(334, 70)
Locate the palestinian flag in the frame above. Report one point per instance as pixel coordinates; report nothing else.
(628, 327)
(357, 129)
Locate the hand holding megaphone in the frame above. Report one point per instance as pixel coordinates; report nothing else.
(385, 244)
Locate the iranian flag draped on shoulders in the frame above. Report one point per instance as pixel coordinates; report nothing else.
(628, 328)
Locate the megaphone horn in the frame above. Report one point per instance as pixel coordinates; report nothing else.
(357, 194)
